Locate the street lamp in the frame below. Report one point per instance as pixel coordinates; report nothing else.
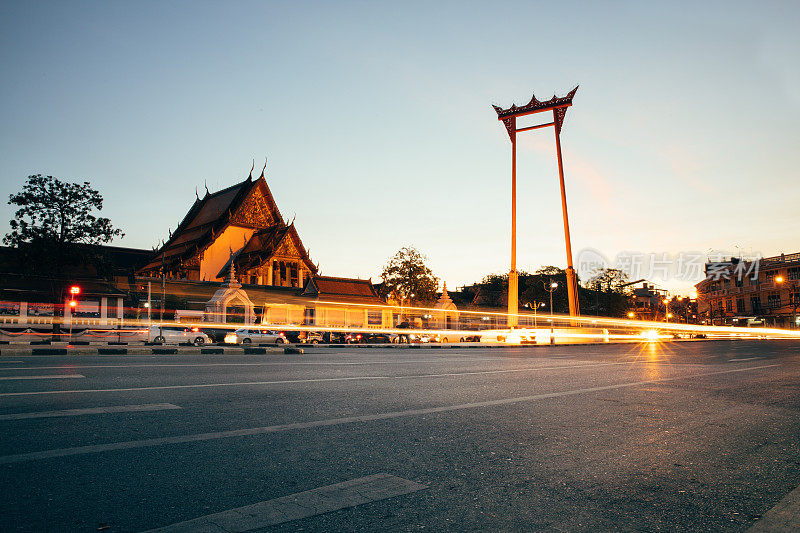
(553, 286)
(536, 305)
(667, 315)
(631, 314)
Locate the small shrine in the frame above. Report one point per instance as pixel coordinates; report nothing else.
(230, 301)
(446, 313)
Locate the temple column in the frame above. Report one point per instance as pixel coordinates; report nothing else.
(269, 274)
(300, 273)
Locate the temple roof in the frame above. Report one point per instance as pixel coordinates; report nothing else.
(342, 289)
(263, 245)
(209, 216)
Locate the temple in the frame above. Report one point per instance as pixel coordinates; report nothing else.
(242, 227)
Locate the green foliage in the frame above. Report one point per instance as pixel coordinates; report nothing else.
(608, 294)
(609, 279)
(57, 212)
(56, 225)
(407, 277)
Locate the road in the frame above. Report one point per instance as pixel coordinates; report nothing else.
(653, 436)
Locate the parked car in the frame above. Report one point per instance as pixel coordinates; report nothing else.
(334, 337)
(377, 338)
(177, 335)
(305, 337)
(313, 337)
(354, 338)
(257, 335)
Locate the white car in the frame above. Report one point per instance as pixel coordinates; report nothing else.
(257, 335)
(177, 335)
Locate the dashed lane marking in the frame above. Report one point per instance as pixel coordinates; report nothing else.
(783, 518)
(91, 411)
(316, 380)
(201, 437)
(300, 505)
(53, 376)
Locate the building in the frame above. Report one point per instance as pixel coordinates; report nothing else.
(239, 226)
(763, 292)
(648, 303)
(232, 259)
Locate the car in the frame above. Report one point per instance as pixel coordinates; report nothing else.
(313, 337)
(355, 338)
(422, 338)
(334, 337)
(177, 335)
(257, 335)
(377, 338)
(304, 337)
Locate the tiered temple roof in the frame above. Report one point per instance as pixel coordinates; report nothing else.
(248, 204)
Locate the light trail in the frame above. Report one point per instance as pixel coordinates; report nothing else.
(559, 328)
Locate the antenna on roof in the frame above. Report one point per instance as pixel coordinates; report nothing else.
(250, 177)
(265, 167)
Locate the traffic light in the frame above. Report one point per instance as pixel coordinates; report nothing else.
(74, 291)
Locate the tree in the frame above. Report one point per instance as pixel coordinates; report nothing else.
(53, 218)
(608, 294)
(408, 277)
(55, 211)
(609, 279)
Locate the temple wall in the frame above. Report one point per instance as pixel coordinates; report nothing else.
(214, 258)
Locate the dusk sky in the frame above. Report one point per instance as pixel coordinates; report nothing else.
(376, 118)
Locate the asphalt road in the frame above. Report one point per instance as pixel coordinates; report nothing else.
(674, 436)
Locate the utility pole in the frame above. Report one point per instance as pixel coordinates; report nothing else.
(163, 292)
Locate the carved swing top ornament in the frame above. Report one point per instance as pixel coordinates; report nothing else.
(557, 104)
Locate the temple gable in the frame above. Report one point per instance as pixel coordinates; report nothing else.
(240, 226)
(256, 211)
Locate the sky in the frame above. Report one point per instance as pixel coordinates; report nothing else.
(377, 123)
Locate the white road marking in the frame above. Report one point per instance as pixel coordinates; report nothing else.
(311, 380)
(200, 437)
(53, 376)
(744, 359)
(300, 505)
(181, 365)
(783, 518)
(92, 411)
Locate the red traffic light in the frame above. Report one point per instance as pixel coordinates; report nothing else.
(74, 290)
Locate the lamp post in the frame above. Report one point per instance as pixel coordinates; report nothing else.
(779, 281)
(536, 305)
(550, 287)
